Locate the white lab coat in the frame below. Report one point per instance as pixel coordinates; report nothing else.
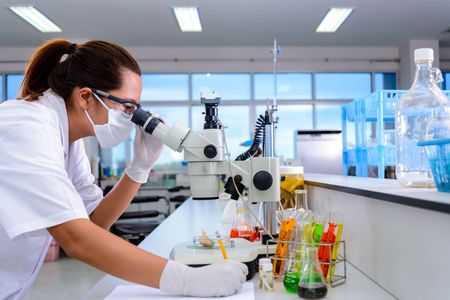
(44, 181)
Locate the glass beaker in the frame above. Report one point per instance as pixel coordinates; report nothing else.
(242, 225)
(312, 284)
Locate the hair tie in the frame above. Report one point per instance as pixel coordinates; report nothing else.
(70, 50)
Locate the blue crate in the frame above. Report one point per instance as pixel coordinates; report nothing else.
(351, 138)
(377, 119)
(368, 132)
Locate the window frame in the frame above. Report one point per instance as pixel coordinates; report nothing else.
(222, 73)
(173, 73)
(281, 73)
(253, 103)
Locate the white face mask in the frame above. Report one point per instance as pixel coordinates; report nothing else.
(116, 130)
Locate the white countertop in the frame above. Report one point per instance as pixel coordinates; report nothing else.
(389, 187)
(193, 216)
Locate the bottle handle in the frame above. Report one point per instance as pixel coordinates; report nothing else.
(436, 76)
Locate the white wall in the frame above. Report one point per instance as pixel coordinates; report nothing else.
(241, 59)
(407, 66)
(259, 59)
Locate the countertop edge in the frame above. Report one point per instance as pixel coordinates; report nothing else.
(399, 199)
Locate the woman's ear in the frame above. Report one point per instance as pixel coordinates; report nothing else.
(84, 97)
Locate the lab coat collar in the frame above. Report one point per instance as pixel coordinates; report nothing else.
(57, 103)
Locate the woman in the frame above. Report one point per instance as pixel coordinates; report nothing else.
(47, 190)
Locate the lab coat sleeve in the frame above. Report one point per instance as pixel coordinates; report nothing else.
(35, 189)
(82, 178)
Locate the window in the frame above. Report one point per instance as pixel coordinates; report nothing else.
(328, 116)
(236, 120)
(119, 157)
(290, 86)
(165, 87)
(385, 81)
(342, 85)
(13, 82)
(230, 86)
(291, 118)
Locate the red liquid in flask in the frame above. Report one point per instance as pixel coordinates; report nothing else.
(243, 234)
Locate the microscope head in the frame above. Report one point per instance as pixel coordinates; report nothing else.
(203, 150)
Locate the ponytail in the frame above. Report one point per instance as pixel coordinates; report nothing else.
(42, 63)
(95, 64)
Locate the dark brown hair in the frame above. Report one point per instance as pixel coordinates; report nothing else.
(95, 64)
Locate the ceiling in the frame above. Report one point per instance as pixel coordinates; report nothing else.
(231, 22)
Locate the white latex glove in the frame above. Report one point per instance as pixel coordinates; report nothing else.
(220, 279)
(146, 151)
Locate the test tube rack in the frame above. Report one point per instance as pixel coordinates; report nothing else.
(334, 278)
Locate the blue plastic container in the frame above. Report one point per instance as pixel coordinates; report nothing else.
(377, 123)
(351, 138)
(438, 152)
(375, 133)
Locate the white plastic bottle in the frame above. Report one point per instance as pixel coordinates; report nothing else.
(418, 116)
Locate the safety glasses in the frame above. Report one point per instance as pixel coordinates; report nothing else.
(128, 106)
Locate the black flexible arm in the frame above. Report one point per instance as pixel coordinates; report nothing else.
(259, 135)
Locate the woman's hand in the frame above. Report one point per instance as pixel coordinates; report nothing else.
(146, 151)
(217, 280)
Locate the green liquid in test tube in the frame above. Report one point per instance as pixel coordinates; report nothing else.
(318, 231)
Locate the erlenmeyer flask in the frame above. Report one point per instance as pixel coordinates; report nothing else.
(312, 284)
(242, 225)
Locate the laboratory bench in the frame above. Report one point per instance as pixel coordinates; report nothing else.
(397, 239)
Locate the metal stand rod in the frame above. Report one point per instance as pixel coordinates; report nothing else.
(269, 220)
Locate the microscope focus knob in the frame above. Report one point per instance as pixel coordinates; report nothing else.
(238, 178)
(262, 180)
(210, 151)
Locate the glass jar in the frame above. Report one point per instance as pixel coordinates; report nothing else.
(291, 180)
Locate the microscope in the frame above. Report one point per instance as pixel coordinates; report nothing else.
(204, 151)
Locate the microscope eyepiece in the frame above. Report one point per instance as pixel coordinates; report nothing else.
(211, 102)
(144, 119)
(211, 117)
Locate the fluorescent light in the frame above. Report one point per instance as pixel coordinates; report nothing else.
(35, 18)
(334, 19)
(188, 19)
